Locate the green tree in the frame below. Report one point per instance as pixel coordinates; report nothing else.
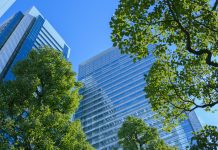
(206, 139)
(36, 107)
(185, 33)
(134, 134)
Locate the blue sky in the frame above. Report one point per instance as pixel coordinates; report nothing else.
(84, 25)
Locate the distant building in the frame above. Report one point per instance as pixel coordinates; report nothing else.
(114, 89)
(5, 5)
(23, 32)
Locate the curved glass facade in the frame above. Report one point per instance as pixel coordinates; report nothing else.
(114, 89)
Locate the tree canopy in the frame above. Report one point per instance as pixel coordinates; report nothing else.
(134, 134)
(185, 74)
(206, 139)
(36, 107)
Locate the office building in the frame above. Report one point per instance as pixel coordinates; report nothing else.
(5, 5)
(23, 32)
(114, 89)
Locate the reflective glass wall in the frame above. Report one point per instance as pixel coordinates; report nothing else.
(113, 90)
(23, 32)
(5, 5)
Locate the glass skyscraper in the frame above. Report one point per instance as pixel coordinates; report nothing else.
(114, 89)
(5, 5)
(23, 32)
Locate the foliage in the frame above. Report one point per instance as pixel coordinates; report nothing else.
(185, 33)
(136, 135)
(206, 139)
(36, 107)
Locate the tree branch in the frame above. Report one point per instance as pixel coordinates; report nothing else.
(204, 106)
(214, 30)
(210, 104)
(188, 40)
(215, 5)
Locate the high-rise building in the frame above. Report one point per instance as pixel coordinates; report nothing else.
(23, 32)
(5, 5)
(114, 89)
